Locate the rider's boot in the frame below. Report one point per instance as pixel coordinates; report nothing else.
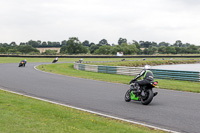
(154, 94)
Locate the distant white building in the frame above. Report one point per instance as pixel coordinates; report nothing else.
(119, 54)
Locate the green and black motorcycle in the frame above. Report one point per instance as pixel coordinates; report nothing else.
(145, 96)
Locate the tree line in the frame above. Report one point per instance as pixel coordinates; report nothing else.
(74, 46)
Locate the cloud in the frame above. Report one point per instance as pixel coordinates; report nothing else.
(93, 20)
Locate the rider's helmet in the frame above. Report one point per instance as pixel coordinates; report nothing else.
(25, 60)
(147, 67)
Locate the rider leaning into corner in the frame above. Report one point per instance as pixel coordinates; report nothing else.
(24, 61)
(147, 78)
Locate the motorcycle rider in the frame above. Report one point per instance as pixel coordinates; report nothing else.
(24, 61)
(55, 60)
(147, 78)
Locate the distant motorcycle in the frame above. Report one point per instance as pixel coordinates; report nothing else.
(54, 61)
(145, 96)
(22, 64)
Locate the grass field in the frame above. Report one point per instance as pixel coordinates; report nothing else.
(18, 59)
(152, 62)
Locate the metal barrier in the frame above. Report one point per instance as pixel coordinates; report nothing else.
(177, 75)
(133, 71)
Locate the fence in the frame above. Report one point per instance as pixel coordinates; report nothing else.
(133, 71)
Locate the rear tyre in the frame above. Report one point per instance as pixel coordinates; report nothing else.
(127, 97)
(148, 97)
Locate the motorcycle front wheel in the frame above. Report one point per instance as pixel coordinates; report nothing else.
(127, 97)
(148, 97)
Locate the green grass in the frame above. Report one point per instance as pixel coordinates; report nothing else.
(18, 59)
(20, 114)
(67, 69)
(152, 62)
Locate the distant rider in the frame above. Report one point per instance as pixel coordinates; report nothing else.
(147, 78)
(55, 60)
(24, 62)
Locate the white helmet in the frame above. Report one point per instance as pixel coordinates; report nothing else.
(147, 67)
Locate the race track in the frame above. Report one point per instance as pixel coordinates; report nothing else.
(173, 110)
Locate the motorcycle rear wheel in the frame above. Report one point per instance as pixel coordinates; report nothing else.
(148, 97)
(127, 97)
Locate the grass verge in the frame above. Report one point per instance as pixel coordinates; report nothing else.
(151, 62)
(67, 69)
(20, 114)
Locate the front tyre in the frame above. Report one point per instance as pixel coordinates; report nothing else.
(127, 97)
(148, 97)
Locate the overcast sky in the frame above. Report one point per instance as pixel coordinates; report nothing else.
(93, 20)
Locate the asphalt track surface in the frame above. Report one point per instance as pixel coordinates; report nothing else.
(173, 110)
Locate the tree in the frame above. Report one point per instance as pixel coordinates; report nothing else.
(163, 44)
(178, 43)
(2, 50)
(192, 49)
(13, 44)
(170, 50)
(122, 40)
(103, 42)
(86, 43)
(115, 49)
(44, 44)
(145, 51)
(12, 51)
(64, 43)
(105, 49)
(162, 50)
(145, 44)
(152, 50)
(186, 45)
(50, 52)
(178, 50)
(27, 49)
(132, 49)
(93, 48)
(34, 44)
(125, 48)
(56, 44)
(63, 49)
(75, 46)
(22, 43)
(39, 42)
